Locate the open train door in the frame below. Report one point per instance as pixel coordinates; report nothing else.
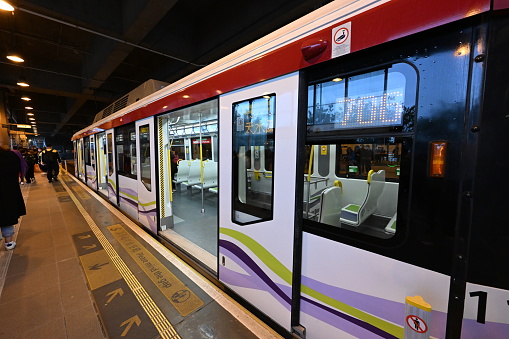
(258, 133)
(112, 173)
(102, 163)
(147, 209)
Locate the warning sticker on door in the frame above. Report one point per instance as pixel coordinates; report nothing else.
(341, 39)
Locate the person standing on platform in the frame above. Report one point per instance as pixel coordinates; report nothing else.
(51, 159)
(24, 166)
(12, 205)
(30, 157)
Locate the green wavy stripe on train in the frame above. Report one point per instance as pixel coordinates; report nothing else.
(148, 203)
(284, 273)
(136, 199)
(112, 184)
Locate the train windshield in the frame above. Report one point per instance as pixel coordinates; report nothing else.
(358, 145)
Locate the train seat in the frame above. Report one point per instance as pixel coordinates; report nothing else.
(209, 175)
(330, 202)
(183, 172)
(391, 225)
(355, 215)
(193, 177)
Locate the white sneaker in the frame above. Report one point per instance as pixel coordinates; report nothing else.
(10, 245)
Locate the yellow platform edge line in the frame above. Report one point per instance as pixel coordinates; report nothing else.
(165, 328)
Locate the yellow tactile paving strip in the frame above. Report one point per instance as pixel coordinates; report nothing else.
(182, 298)
(162, 324)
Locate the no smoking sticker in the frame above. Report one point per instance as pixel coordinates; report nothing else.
(341, 39)
(416, 324)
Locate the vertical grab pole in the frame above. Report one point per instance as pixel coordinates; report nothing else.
(169, 145)
(201, 170)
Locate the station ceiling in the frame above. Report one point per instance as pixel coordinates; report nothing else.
(80, 56)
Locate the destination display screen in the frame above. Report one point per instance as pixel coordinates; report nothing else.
(374, 99)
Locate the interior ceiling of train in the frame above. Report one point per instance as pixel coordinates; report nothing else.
(81, 56)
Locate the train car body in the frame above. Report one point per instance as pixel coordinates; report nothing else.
(342, 176)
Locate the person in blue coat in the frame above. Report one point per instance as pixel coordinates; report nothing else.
(12, 205)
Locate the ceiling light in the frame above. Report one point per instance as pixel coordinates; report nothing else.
(28, 107)
(31, 118)
(22, 82)
(185, 96)
(25, 98)
(33, 122)
(337, 79)
(15, 57)
(30, 113)
(5, 6)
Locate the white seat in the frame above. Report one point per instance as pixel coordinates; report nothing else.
(330, 202)
(183, 172)
(193, 177)
(209, 175)
(355, 215)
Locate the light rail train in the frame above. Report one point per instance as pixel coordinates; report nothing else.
(343, 176)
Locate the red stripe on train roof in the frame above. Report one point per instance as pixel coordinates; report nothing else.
(387, 22)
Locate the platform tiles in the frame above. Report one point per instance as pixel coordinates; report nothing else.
(138, 292)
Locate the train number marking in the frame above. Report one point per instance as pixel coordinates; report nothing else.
(417, 324)
(481, 306)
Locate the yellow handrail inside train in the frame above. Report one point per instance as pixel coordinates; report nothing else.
(310, 166)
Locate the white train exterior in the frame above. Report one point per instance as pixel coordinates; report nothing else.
(347, 163)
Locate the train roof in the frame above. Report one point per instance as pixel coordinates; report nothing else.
(304, 42)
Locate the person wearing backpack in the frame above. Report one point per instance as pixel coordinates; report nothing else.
(51, 159)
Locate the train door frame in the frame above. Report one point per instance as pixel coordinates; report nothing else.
(80, 168)
(91, 162)
(102, 163)
(146, 185)
(112, 168)
(266, 240)
(125, 139)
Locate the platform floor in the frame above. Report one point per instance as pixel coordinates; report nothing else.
(83, 270)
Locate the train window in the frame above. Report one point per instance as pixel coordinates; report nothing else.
(206, 148)
(253, 139)
(361, 192)
(358, 144)
(125, 138)
(146, 171)
(375, 99)
(86, 151)
(110, 154)
(92, 152)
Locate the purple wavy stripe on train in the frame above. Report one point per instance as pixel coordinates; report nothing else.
(263, 282)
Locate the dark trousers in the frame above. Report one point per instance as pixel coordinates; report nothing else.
(52, 170)
(30, 173)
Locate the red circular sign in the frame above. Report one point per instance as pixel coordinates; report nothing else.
(416, 324)
(341, 35)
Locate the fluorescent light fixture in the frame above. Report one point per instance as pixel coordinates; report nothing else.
(28, 107)
(31, 118)
(22, 82)
(25, 98)
(30, 113)
(6, 6)
(15, 58)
